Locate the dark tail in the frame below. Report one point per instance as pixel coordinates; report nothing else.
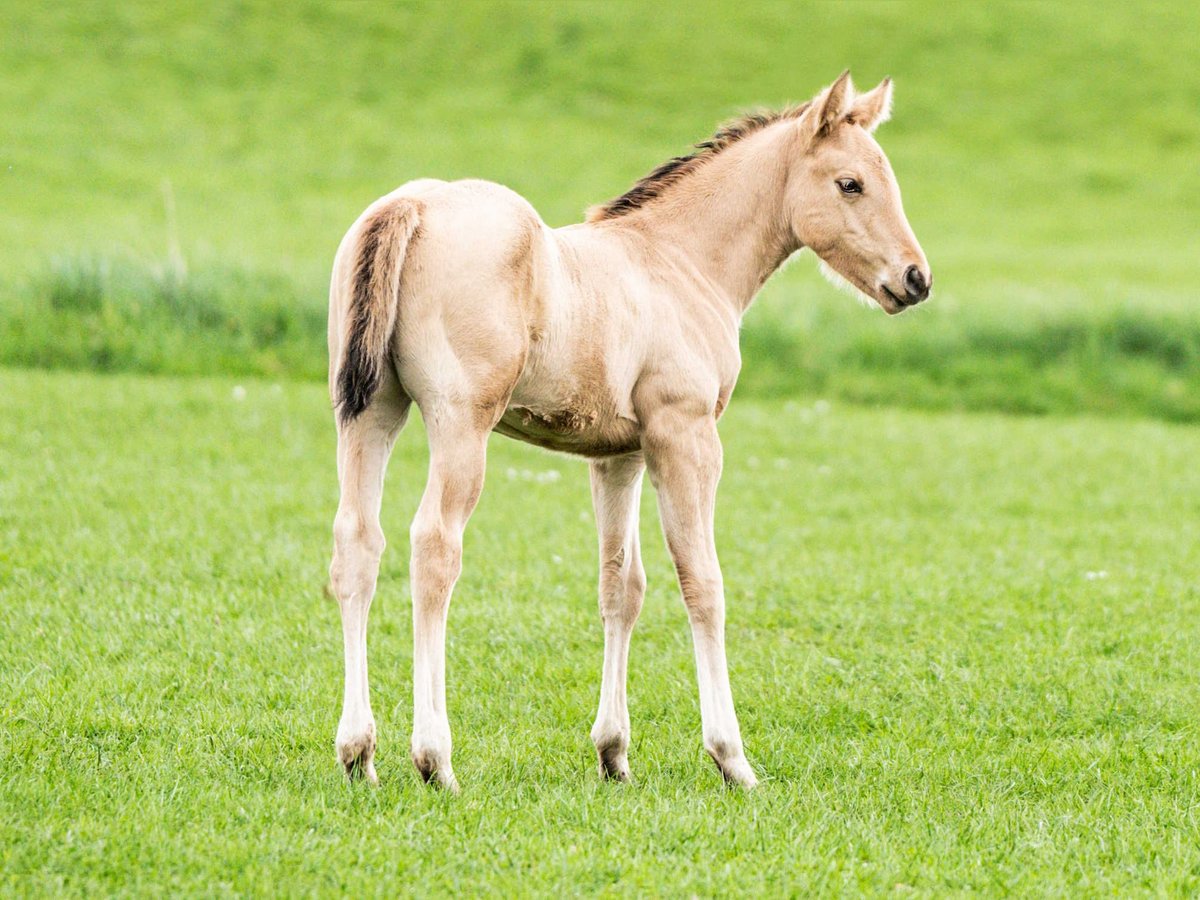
(375, 295)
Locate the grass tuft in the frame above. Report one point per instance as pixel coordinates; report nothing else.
(113, 315)
(75, 283)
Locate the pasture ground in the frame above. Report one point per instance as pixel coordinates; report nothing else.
(963, 645)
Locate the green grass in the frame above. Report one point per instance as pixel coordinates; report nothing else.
(1047, 160)
(117, 316)
(964, 649)
(963, 643)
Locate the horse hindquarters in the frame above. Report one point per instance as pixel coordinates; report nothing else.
(431, 310)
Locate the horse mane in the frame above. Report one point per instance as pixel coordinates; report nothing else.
(679, 167)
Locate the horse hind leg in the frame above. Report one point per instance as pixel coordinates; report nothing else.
(462, 357)
(364, 445)
(457, 457)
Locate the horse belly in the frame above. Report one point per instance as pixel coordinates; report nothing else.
(572, 427)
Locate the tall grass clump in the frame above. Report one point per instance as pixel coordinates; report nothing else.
(119, 314)
(1111, 360)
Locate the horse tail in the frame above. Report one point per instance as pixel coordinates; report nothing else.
(370, 320)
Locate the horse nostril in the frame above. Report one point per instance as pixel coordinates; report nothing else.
(915, 284)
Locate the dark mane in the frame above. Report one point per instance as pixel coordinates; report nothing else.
(676, 168)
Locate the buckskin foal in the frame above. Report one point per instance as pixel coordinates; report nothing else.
(615, 339)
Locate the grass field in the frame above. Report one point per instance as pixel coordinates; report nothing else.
(187, 170)
(960, 546)
(964, 648)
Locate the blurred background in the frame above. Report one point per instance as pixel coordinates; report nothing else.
(176, 177)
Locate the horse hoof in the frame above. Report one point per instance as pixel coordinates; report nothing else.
(357, 755)
(433, 771)
(614, 765)
(361, 770)
(734, 768)
(737, 773)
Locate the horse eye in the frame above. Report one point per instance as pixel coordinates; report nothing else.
(849, 186)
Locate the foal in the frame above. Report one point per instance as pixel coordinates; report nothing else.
(615, 339)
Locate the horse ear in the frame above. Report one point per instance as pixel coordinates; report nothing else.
(872, 109)
(832, 104)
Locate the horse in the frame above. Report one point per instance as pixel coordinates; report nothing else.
(615, 339)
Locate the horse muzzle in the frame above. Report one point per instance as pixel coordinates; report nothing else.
(914, 288)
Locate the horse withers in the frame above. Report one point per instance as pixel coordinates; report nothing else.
(615, 339)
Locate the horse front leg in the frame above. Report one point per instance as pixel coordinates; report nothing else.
(616, 490)
(683, 453)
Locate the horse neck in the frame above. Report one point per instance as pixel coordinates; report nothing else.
(728, 217)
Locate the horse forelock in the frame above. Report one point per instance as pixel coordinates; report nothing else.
(677, 168)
